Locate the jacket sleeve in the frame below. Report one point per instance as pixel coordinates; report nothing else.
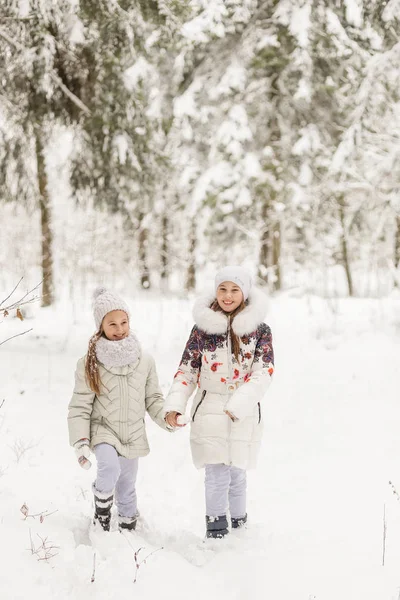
(187, 375)
(80, 406)
(243, 401)
(154, 398)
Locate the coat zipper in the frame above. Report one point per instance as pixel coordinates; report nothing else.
(124, 410)
(229, 344)
(198, 406)
(230, 380)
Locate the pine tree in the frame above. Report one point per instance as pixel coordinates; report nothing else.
(122, 156)
(39, 81)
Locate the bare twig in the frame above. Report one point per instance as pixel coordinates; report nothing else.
(384, 536)
(20, 448)
(42, 515)
(94, 568)
(137, 563)
(5, 309)
(395, 492)
(21, 301)
(9, 295)
(82, 493)
(136, 559)
(14, 336)
(45, 551)
(153, 552)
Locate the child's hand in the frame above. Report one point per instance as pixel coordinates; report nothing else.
(82, 451)
(183, 419)
(172, 419)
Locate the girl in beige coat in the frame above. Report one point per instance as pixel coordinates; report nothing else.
(115, 384)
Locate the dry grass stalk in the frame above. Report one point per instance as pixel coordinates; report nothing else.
(46, 550)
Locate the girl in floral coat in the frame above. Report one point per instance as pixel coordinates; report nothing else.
(229, 359)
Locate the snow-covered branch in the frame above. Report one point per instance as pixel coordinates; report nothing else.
(77, 101)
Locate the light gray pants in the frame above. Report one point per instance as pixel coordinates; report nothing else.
(225, 486)
(119, 473)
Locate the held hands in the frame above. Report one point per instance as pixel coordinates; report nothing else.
(82, 452)
(175, 419)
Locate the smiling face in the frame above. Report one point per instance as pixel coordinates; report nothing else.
(116, 325)
(229, 296)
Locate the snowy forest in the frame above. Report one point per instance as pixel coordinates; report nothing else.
(143, 146)
(161, 137)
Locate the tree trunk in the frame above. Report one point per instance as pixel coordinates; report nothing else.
(397, 249)
(144, 271)
(45, 219)
(276, 256)
(343, 242)
(270, 245)
(191, 270)
(397, 243)
(164, 251)
(263, 259)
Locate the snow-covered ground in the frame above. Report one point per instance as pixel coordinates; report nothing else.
(316, 501)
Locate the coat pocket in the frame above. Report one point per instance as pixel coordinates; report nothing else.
(203, 395)
(136, 431)
(259, 412)
(107, 425)
(94, 427)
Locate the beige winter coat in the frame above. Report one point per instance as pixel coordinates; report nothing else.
(117, 415)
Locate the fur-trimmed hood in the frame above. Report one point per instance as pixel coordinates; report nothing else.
(216, 323)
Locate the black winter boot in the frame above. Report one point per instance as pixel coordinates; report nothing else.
(217, 527)
(239, 522)
(127, 523)
(102, 509)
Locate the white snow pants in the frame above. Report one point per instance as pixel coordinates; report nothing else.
(225, 487)
(119, 473)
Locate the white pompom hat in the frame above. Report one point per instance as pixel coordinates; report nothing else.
(236, 274)
(104, 301)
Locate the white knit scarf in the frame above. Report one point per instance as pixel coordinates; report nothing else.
(118, 353)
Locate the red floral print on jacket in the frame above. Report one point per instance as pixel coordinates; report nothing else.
(214, 366)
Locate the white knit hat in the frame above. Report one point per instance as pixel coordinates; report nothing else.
(104, 301)
(236, 274)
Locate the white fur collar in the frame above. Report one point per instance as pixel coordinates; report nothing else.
(217, 322)
(118, 353)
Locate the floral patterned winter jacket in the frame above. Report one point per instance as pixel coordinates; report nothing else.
(224, 383)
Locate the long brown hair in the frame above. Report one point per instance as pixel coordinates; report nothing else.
(234, 338)
(91, 365)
